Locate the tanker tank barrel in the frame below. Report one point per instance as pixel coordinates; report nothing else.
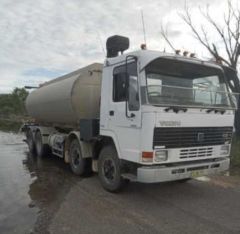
(67, 99)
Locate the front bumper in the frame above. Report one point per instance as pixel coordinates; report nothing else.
(154, 174)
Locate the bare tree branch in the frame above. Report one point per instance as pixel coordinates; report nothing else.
(188, 20)
(227, 20)
(220, 32)
(218, 57)
(164, 35)
(229, 33)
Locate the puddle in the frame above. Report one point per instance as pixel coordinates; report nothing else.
(32, 189)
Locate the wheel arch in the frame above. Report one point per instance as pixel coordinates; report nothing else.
(86, 148)
(105, 140)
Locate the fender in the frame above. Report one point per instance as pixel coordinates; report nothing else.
(111, 134)
(86, 147)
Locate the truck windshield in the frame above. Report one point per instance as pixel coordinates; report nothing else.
(171, 82)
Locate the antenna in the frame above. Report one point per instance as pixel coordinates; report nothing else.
(31, 87)
(101, 43)
(144, 32)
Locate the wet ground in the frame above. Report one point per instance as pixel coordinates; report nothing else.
(42, 196)
(31, 189)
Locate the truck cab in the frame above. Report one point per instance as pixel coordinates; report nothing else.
(170, 116)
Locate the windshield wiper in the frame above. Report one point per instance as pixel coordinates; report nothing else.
(216, 110)
(176, 109)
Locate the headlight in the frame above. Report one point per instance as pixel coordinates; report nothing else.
(161, 155)
(225, 149)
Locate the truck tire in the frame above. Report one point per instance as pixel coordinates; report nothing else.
(109, 170)
(77, 163)
(30, 141)
(41, 149)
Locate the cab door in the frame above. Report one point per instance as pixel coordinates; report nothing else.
(125, 109)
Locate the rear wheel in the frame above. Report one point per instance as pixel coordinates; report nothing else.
(30, 141)
(109, 170)
(41, 149)
(78, 164)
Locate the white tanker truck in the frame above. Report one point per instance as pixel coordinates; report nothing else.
(143, 116)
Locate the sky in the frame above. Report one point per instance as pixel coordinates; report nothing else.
(44, 39)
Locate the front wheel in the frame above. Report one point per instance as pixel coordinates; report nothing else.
(109, 170)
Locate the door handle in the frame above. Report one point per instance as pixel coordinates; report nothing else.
(132, 115)
(111, 112)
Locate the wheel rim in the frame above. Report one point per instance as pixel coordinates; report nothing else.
(75, 158)
(109, 170)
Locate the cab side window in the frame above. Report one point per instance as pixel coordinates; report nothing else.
(119, 85)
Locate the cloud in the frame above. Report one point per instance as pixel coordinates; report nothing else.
(42, 72)
(47, 38)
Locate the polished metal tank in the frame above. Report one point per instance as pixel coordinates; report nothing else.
(67, 99)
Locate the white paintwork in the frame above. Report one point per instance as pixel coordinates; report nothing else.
(152, 117)
(146, 56)
(135, 135)
(162, 174)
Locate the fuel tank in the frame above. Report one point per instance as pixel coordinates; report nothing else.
(67, 99)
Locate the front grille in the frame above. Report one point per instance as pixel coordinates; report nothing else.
(191, 137)
(196, 152)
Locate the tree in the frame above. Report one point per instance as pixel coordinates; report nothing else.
(13, 104)
(20, 93)
(19, 96)
(229, 34)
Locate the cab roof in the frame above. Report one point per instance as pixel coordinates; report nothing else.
(147, 56)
